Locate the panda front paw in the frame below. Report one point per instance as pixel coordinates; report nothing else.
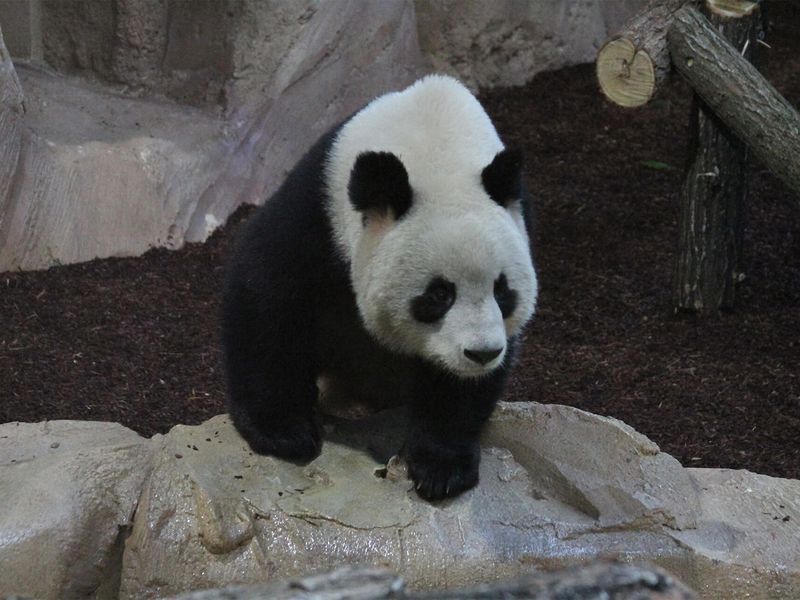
(295, 440)
(440, 472)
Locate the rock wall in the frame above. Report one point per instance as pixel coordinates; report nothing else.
(105, 512)
(11, 96)
(206, 52)
(197, 107)
(507, 42)
(89, 171)
(202, 53)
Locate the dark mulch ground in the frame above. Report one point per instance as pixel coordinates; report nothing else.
(134, 340)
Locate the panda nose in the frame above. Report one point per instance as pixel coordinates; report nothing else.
(482, 356)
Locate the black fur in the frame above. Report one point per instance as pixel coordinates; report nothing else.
(438, 298)
(378, 182)
(502, 179)
(289, 313)
(446, 418)
(505, 297)
(283, 265)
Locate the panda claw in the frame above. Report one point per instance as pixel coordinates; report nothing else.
(439, 479)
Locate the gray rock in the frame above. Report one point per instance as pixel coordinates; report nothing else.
(325, 76)
(507, 42)
(21, 20)
(598, 464)
(11, 96)
(197, 53)
(558, 487)
(270, 77)
(747, 540)
(89, 172)
(68, 490)
(214, 513)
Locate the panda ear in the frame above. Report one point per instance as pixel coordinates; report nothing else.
(502, 179)
(378, 182)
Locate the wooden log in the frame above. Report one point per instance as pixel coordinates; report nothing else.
(634, 62)
(596, 580)
(713, 194)
(738, 94)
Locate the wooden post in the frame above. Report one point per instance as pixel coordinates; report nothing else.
(712, 198)
(737, 93)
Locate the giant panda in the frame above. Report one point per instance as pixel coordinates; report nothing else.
(393, 262)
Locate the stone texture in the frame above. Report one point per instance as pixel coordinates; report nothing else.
(194, 52)
(87, 173)
(21, 20)
(558, 487)
(597, 464)
(747, 542)
(68, 490)
(326, 75)
(178, 171)
(346, 583)
(213, 513)
(79, 35)
(269, 78)
(507, 42)
(11, 96)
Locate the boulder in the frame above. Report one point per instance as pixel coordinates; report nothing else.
(507, 42)
(88, 173)
(747, 540)
(68, 490)
(557, 486)
(11, 97)
(93, 170)
(104, 513)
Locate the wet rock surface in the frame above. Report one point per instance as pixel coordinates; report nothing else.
(558, 487)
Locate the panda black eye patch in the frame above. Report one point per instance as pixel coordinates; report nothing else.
(434, 302)
(505, 297)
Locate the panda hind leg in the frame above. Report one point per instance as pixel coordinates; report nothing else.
(290, 435)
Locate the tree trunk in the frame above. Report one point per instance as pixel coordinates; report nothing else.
(635, 61)
(713, 195)
(738, 94)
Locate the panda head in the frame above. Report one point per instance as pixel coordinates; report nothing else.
(442, 272)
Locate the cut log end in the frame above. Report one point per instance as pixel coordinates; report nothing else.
(627, 76)
(731, 8)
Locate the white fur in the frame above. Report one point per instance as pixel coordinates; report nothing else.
(453, 229)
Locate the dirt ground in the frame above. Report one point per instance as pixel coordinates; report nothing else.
(135, 340)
